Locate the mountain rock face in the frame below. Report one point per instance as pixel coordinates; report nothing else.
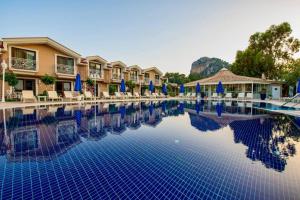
(206, 66)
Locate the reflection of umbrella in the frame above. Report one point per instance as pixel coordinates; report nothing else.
(197, 107)
(219, 109)
(123, 87)
(181, 89)
(220, 88)
(151, 108)
(164, 89)
(122, 110)
(77, 83)
(151, 87)
(164, 106)
(298, 89)
(198, 88)
(181, 107)
(77, 114)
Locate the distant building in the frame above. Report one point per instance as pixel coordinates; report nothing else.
(237, 84)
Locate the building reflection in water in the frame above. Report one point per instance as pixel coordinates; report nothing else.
(46, 133)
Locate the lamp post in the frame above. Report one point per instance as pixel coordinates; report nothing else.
(4, 67)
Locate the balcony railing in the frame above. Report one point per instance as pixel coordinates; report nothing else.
(23, 64)
(117, 77)
(65, 69)
(96, 72)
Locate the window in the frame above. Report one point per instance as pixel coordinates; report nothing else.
(134, 75)
(95, 69)
(65, 65)
(156, 77)
(146, 75)
(23, 59)
(116, 73)
(25, 84)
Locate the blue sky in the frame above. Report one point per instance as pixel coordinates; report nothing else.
(163, 33)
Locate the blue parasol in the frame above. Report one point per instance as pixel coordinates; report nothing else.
(198, 88)
(77, 83)
(164, 89)
(151, 87)
(298, 89)
(181, 89)
(123, 87)
(220, 88)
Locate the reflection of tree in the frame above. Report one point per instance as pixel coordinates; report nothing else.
(270, 140)
(203, 123)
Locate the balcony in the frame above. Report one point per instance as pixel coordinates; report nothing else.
(23, 64)
(65, 69)
(134, 79)
(96, 73)
(117, 77)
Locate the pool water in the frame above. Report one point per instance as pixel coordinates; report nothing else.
(272, 107)
(149, 150)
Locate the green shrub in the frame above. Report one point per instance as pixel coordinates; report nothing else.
(11, 79)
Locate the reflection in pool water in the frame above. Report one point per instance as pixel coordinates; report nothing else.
(155, 149)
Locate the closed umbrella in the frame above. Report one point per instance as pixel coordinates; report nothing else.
(123, 87)
(164, 89)
(220, 88)
(198, 89)
(181, 89)
(298, 89)
(151, 87)
(77, 83)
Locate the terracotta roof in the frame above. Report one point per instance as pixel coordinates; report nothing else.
(226, 76)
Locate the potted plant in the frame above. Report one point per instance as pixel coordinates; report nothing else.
(47, 80)
(263, 94)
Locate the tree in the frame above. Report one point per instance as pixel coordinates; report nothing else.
(11, 79)
(176, 78)
(194, 77)
(130, 85)
(268, 52)
(48, 80)
(292, 76)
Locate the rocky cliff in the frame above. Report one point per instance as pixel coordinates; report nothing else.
(206, 66)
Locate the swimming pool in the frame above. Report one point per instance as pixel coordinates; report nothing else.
(149, 150)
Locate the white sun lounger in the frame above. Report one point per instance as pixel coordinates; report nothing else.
(106, 95)
(69, 95)
(28, 95)
(52, 95)
(137, 95)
